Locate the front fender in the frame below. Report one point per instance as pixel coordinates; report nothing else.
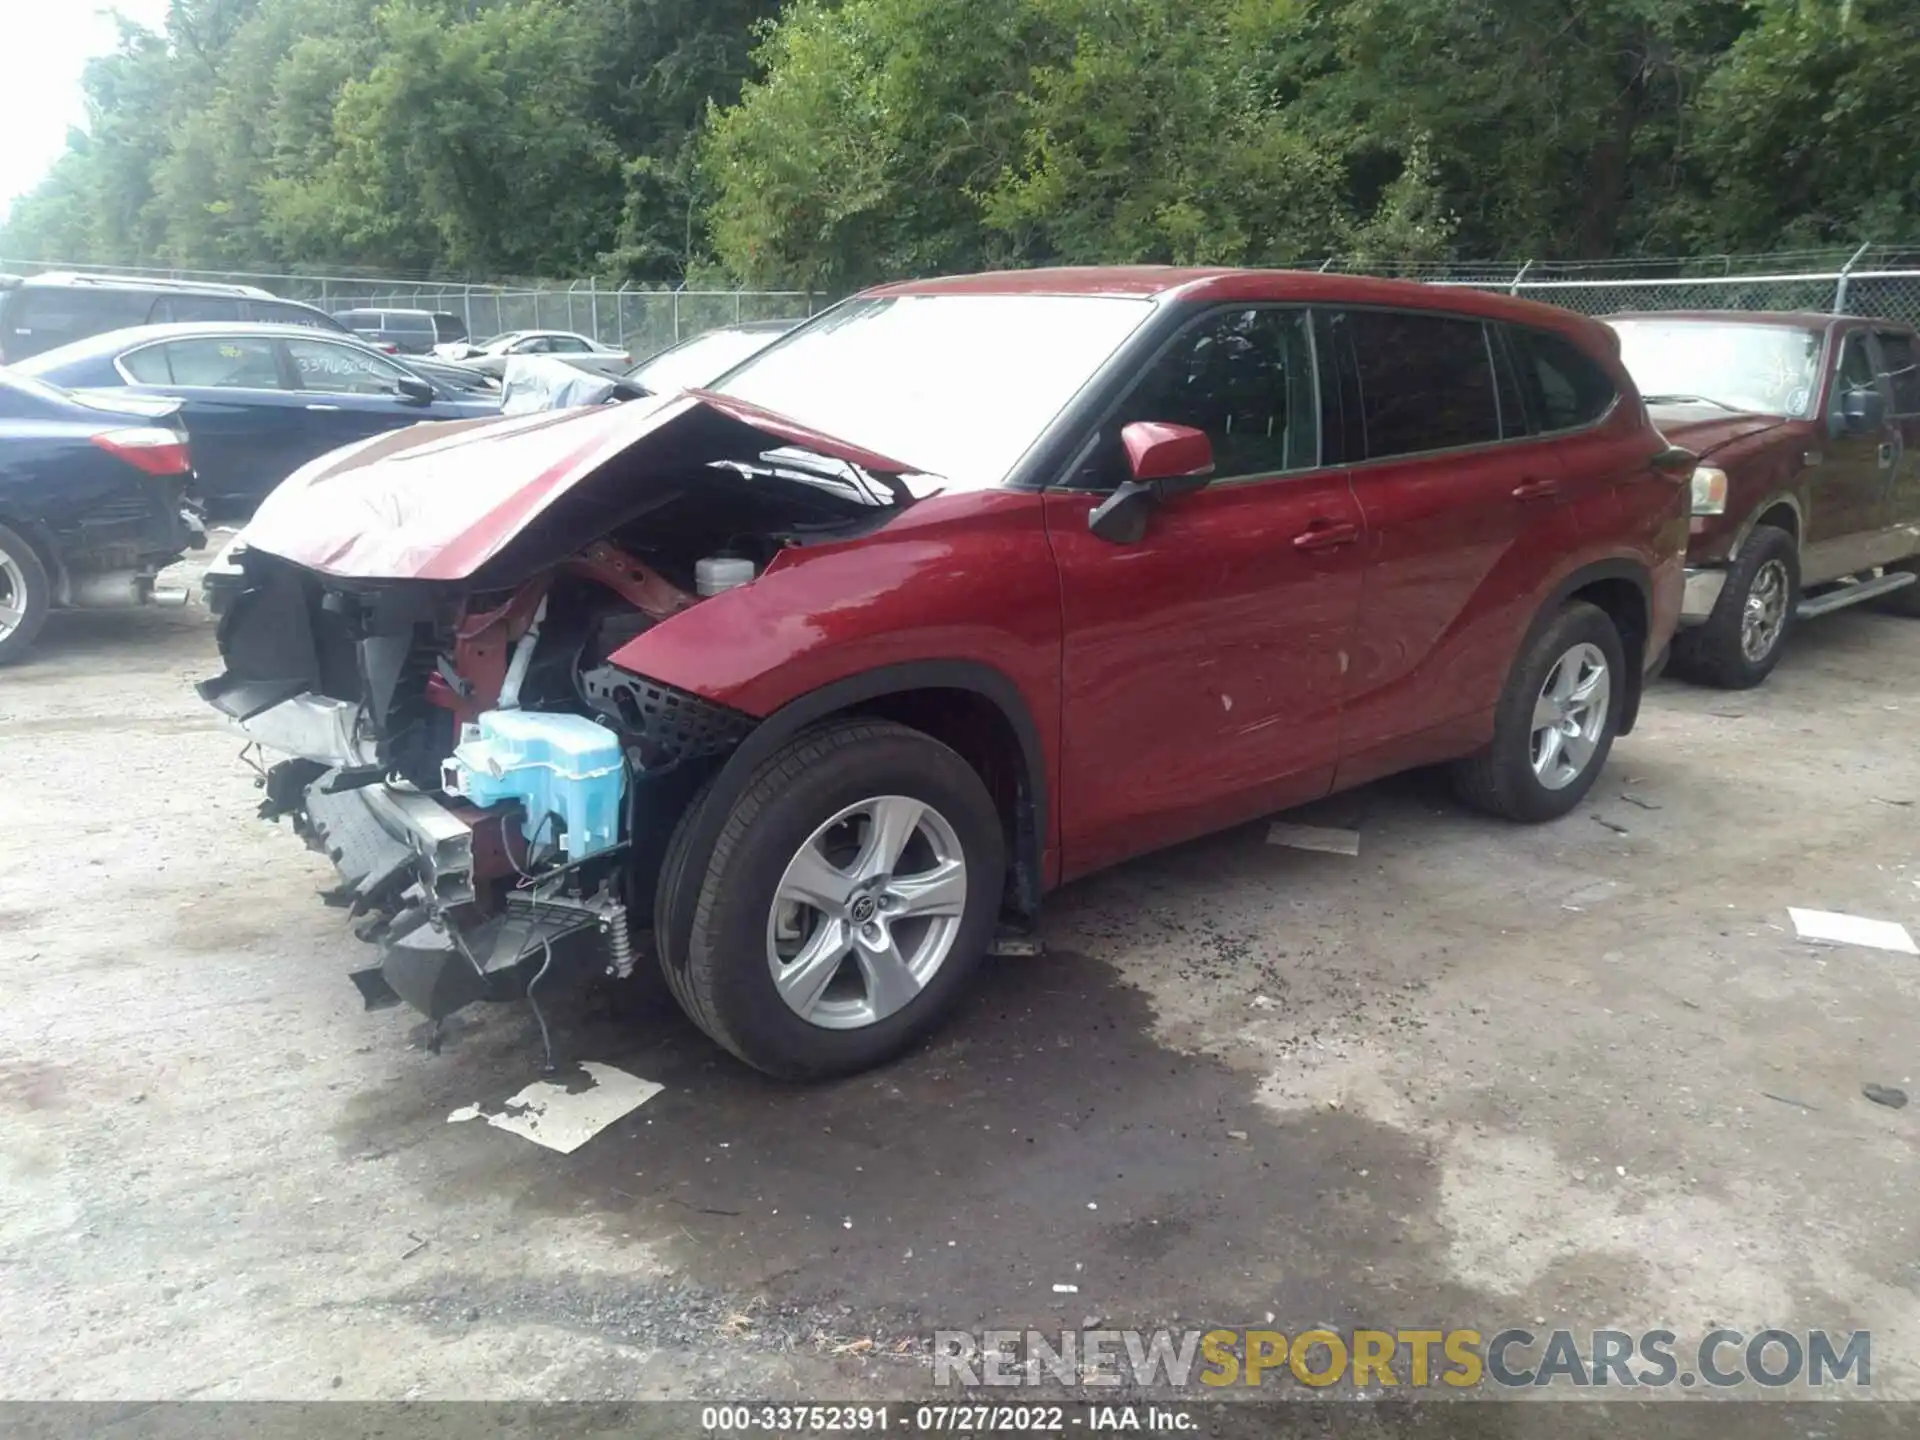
(967, 579)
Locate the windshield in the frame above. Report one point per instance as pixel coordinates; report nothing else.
(958, 386)
(700, 361)
(1757, 369)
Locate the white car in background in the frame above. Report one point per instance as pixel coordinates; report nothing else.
(490, 357)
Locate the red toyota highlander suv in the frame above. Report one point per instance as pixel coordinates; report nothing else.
(806, 687)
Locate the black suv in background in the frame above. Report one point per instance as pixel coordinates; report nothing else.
(403, 332)
(43, 312)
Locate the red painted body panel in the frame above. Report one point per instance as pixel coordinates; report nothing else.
(1462, 550)
(437, 502)
(958, 577)
(1204, 286)
(1204, 666)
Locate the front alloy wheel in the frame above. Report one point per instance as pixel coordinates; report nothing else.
(852, 887)
(867, 912)
(1739, 643)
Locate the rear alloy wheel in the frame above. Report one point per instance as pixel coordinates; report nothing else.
(852, 891)
(1742, 640)
(1570, 717)
(24, 596)
(1554, 726)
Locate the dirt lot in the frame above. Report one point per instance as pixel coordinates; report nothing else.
(1476, 1076)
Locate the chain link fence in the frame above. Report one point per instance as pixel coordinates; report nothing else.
(640, 320)
(1877, 280)
(1880, 281)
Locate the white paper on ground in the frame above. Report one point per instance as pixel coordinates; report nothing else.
(1314, 837)
(565, 1112)
(1837, 929)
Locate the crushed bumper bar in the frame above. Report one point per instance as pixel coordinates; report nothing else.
(384, 840)
(410, 865)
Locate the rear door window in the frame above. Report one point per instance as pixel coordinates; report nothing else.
(215, 362)
(1426, 382)
(1900, 367)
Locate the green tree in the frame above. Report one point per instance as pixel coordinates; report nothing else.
(1808, 133)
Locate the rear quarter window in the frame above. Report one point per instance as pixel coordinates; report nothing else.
(268, 312)
(54, 316)
(188, 308)
(1567, 387)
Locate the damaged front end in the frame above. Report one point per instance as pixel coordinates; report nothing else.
(496, 794)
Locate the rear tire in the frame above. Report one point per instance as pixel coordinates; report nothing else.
(804, 991)
(1554, 726)
(25, 594)
(1743, 638)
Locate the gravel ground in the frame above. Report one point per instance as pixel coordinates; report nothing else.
(1477, 1075)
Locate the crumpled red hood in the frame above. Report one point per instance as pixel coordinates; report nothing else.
(437, 501)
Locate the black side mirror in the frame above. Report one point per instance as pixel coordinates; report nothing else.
(1861, 412)
(1121, 519)
(414, 391)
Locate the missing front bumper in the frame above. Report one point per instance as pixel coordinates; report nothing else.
(415, 871)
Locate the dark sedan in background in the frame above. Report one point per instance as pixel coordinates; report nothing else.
(258, 401)
(92, 503)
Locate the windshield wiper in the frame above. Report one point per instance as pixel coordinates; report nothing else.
(1692, 400)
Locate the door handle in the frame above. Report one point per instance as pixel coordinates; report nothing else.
(1326, 534)
(1536, 489)
(328, 408)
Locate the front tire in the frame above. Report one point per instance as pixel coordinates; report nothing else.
(25, 594)
(850, 895)
(1554, 726)
(1742, 639)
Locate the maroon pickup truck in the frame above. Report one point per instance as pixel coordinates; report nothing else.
(1807, 494)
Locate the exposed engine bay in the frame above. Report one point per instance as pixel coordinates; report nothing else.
(495, 793)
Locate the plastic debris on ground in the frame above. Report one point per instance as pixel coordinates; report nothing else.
(1314, 837)
(1830, 927)
(566, 1111)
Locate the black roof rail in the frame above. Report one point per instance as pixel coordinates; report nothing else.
(148, 282)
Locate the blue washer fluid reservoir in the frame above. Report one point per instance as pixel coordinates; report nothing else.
(564, 766)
